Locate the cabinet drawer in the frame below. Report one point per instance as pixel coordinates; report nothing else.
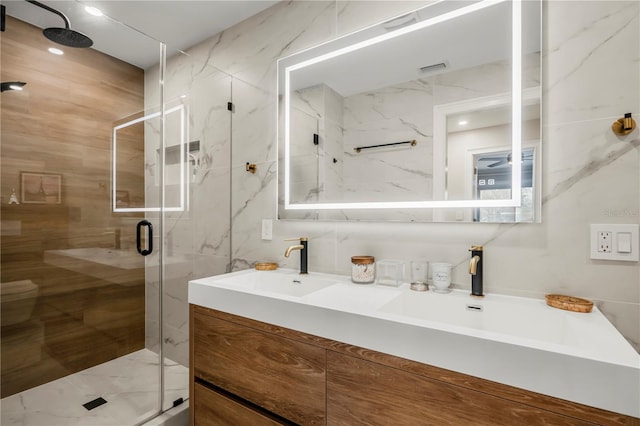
(214, 409)
(365, 393)
(283, 376)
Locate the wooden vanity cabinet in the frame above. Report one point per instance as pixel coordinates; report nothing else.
(246, 372)
(211, 408)
(282, 376)
(361, 392)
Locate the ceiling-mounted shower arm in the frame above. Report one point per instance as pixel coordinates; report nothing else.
(65, 36)
(67, 23)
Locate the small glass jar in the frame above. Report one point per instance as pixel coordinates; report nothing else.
(363, 269)
(390, 272)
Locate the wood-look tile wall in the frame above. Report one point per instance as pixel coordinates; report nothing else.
(61, 123)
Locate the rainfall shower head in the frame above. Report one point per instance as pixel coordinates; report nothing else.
(65, 36)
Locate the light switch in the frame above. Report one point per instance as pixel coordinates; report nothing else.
(267, 229)
(615, 241)
(624, 242)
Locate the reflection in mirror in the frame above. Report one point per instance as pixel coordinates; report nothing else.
(473, 157)
(360, 137)
(128, 157)
(130, 137)
(492, 180)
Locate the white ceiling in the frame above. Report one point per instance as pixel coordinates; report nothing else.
(130, 30)
(481, 37)
(470, 40)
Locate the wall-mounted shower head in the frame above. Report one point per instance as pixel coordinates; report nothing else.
(65, 36)
(11, 85)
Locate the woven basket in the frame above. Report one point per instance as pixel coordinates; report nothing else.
(569, 303)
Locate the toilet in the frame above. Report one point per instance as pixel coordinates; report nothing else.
(17, 301)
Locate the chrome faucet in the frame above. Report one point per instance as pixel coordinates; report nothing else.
(475, 269)
(303, 247)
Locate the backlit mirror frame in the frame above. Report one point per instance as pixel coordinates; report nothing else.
(306, 58)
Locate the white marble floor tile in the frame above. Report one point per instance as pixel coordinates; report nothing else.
(130, 385)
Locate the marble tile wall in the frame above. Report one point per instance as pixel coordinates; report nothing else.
(591, 64)
(333, 156)
(196, 241)
(386, 115)
(307, 113)
(317, 170)
(396, 113)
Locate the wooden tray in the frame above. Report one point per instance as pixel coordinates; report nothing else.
(569, 303)
(266, 266)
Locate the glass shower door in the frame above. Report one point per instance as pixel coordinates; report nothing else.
(136, 197)
(196, 219)
(114, 195)
(78, 306)
(158, 139)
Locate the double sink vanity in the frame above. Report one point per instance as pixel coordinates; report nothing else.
(277, 347)
(368, 129)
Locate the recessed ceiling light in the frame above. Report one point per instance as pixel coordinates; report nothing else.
(463, 122)
(56, 51)
(93, 11)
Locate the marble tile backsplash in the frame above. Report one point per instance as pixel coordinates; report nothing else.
(590, 77)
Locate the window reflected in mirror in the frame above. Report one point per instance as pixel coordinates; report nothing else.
(479, 159)
(492, 180)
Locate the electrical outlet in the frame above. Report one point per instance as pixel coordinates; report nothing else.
(604, 241)
(613, 241)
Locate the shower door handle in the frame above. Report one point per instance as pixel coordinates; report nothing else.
(149, 237)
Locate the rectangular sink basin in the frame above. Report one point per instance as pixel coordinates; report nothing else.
(278, 282)
(459, 309)
(514, 319)
(350, 297)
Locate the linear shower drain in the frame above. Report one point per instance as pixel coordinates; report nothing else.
(95, 403)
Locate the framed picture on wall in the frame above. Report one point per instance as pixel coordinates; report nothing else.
(40, 188)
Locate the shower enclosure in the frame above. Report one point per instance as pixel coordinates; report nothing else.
(108, 166)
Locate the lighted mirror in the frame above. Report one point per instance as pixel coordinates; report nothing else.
(367, 121)
(136, 146)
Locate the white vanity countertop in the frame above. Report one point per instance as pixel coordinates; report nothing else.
(516, 341)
